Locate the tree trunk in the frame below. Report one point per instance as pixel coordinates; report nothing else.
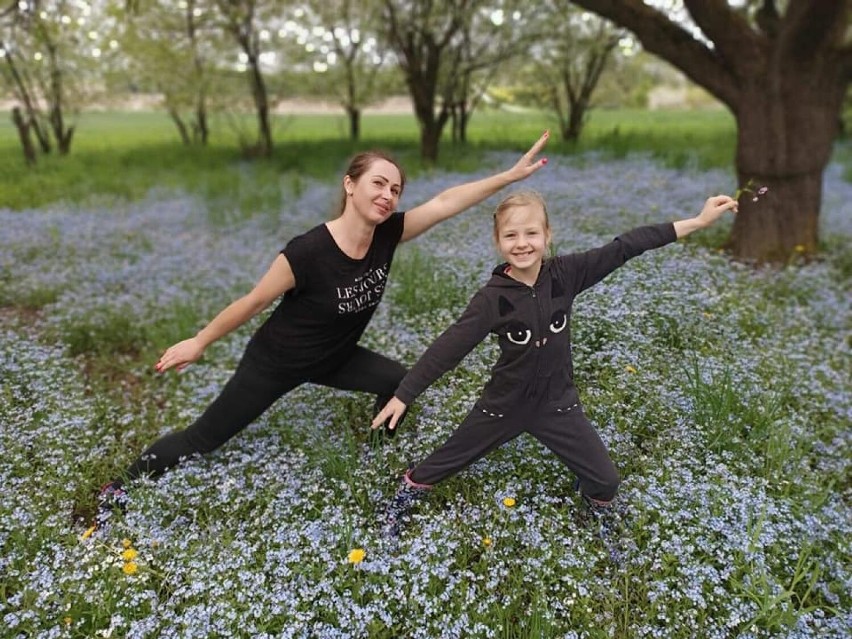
(354, 114)
(464, 119)
(25, 94)
(24, 134)
(261, 102)
(576, 119)
(786, 128)
(202, 128)
(181, 126)
(430, 135)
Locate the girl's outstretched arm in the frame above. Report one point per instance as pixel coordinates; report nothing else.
(278, 280)
(713, 209)
(458, 198)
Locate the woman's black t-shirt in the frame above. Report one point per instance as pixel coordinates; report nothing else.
(317, 324)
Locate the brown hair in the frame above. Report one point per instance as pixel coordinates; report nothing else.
(359, 164)
(520, 198)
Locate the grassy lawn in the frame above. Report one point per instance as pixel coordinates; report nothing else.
(127, 154)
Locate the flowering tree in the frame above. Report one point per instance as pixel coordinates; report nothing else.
(441, 45)
(245, 21)
(570, 55)
(169, 46)
(782, 68)
(49, 58)
(336, 41)
(493, 34)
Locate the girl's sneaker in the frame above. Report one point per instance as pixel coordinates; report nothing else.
(606, 522)
(398, 511)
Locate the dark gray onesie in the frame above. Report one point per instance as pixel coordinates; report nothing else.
(531, 388)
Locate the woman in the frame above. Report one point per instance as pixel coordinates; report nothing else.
(331, 279)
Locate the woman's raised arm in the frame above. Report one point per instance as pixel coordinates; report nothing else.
(459, 198)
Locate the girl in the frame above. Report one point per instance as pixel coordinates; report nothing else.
(527, 305)
(331, 279)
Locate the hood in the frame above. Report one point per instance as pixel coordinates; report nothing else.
(500, 279)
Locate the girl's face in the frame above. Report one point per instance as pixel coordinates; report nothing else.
(522, 239)
(375, 194)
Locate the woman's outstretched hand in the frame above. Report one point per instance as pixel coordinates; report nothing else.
(528, 165)
(180, 355)
(393, 409)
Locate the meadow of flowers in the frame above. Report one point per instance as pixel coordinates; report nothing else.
(722, 391)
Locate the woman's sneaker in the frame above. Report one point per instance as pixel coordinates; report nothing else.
(111, 497)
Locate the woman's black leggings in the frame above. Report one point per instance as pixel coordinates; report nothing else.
(252, 390)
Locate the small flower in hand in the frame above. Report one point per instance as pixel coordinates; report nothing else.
(749, 188)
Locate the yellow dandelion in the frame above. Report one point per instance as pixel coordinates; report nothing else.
(509, 501)
(629, 369)
(89, 532)
(129, 555)
(126, 543)
(486, 541)
(799, 248)
(356, 556)
(67, 621)
(130, 568)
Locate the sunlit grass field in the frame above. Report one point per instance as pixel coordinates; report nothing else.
(127, 154)
(722, 392)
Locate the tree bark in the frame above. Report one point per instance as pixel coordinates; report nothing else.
(24, 134)
(261, 101)
(430, 137)
(26, 95)
(202, 129)
(354, 114)
(180, 124)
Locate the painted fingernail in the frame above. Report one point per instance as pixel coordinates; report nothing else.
(544, 161)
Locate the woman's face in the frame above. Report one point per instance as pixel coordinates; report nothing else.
(375, 194)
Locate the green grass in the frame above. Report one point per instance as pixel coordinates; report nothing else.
(128, 154)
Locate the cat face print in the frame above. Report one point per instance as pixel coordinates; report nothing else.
(519, 331)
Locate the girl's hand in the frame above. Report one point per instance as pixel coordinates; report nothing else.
(393, 409)
(715, 207)
(528, 165)
(180, 355)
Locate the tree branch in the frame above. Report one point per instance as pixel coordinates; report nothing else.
(732, 36)
(662, 37)
(811, 25)
(846, 61)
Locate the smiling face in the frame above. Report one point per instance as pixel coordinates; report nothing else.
(522, 234)
(374, 194)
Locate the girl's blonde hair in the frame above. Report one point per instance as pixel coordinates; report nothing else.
(520, 198)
